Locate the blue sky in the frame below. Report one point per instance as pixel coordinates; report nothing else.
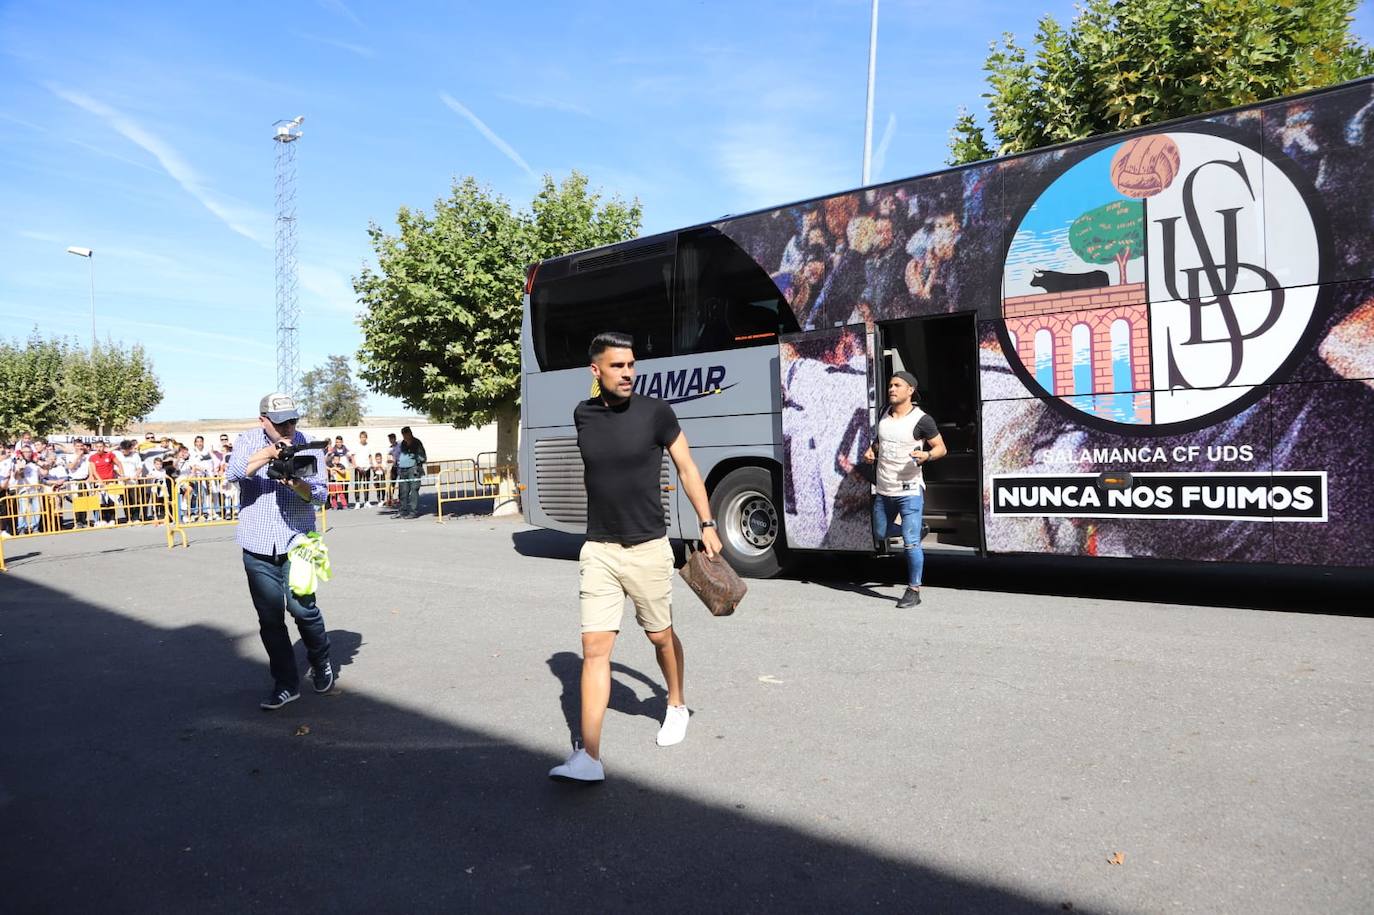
(143, 131)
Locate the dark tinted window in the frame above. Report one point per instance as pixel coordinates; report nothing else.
(724, 299)
(565, 314)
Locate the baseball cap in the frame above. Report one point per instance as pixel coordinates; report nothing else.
(279, 407)
(907, 377)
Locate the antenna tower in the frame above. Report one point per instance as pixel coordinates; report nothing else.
(285, 134)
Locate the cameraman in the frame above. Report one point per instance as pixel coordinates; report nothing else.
(272, 514)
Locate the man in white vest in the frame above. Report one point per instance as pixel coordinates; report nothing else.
(906, 439)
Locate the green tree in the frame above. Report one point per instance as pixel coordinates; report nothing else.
(1113, 232)
(32, 379)
(330, 396)
(108, 387)
(441, 309)
(1126, 63)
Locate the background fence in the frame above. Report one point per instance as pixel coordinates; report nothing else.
(190, 502)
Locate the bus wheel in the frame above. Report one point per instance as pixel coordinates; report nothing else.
(749, 522)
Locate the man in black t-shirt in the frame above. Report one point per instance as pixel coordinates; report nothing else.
(622, 437)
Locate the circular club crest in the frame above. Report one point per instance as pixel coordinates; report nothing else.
(1155, 285)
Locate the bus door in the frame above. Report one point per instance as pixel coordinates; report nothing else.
(829, 390)
(942, 352)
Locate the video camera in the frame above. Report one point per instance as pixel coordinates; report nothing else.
(291, 464)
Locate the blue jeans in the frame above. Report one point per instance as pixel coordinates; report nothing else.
(27, 519)
(267, 577)
(909, 506)
(410, 489)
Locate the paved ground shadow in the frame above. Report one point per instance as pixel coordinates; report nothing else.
(546, 544)
(1269, 587)
(137, 775)
(566, 666)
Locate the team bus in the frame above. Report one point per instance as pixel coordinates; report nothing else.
(1157, 344)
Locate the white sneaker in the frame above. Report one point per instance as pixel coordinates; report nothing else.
(674, 726)
(579, 768)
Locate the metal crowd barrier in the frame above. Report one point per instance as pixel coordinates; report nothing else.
(211, 501)
(83, 506)
(472, 480)
(177, 505)
(370, 487)
(191, 502)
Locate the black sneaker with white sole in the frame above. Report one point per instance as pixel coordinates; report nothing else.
(323, 676)
(277, 698)
(911, 598)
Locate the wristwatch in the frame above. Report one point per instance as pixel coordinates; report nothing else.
(706, 524)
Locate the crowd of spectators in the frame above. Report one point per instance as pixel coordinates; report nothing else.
(130, 477)
(361, 477)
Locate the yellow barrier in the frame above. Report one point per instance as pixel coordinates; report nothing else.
(74, 507)
(467, 481)
(191, 502)
(211, 501)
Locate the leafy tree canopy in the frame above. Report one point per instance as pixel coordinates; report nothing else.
(31, 385)
(50, 384)
(330, 396)
(1127, 63)
(110, 386)
(441, 309)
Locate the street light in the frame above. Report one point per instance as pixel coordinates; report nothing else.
(90, 256)
(868, 114)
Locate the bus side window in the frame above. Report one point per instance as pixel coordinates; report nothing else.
(724, 299)
(633, 298)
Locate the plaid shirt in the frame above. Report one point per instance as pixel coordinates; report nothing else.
(270, 514)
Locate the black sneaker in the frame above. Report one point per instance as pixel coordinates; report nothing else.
(323, 677)
(277, 698)
(911, 598)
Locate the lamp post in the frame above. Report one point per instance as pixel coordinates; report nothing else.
(868, 113)
(90, 257)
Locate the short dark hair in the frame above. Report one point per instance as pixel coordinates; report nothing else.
(405, 429)
(610, 339)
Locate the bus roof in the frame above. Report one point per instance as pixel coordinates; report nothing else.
(660, 237)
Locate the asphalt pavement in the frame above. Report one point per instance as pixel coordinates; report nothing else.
(1027, 740)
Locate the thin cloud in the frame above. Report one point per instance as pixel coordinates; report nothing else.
(552, 104)
(82, 320)
(328, 285)
(770, 164)
(360, 50)
(176, 167)
(880, 155)
(487, 132)
(339, 8)
(39, 236)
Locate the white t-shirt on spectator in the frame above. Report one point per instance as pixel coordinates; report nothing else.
(202, 461)
(129, 464)
(27, 475)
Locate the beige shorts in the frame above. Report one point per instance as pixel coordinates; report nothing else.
(608, 573)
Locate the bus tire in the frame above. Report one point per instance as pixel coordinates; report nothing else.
(748, 513)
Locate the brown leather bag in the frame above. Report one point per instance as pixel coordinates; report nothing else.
(719, 586)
